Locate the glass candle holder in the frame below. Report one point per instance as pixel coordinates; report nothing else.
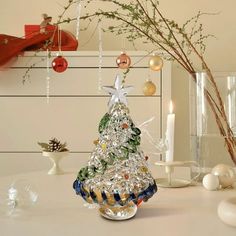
(19, 197)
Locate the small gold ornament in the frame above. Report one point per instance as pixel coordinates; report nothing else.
(149, 88)
(95, 142)
(155, 63)
(104, 146)
(123, 61)
(144, 169)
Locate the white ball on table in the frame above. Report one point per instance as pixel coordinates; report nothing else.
(211, 182)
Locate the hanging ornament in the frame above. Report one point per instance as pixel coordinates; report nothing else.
(59, 64)
(155, 63)
(123, 61)
(149, 88)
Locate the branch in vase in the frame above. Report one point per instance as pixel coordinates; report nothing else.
(175, 49)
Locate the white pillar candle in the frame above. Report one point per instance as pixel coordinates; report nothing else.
(170, 132)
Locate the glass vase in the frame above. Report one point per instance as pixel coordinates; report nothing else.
(207, 144)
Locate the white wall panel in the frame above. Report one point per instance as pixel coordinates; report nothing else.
(75, 107)
(74, 81)
(25, 121)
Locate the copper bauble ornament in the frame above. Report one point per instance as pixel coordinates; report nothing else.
(123, 61)
(59, 64)
(155, 63)
(149, 88)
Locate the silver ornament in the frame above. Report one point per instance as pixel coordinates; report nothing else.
(225, 173)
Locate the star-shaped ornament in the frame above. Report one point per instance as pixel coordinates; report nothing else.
(118, 92)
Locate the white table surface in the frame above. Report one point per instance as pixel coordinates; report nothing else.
(185, 212)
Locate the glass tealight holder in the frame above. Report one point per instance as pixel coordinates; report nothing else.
(20, 196)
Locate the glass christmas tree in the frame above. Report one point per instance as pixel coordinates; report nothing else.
(117, 176)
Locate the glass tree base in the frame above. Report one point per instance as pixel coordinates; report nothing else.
(118, 212)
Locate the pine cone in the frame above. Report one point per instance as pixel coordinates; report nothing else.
(55, 145)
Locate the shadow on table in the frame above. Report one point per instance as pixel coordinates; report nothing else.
(156, 212)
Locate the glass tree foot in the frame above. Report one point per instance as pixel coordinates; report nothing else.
(118, 212)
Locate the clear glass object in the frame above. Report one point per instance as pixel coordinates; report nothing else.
(20, 196)
(118, 212)
(116, 178)
(207, 145)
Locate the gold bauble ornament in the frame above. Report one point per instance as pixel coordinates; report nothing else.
(149, 88)
(123, 61)
(155, 63)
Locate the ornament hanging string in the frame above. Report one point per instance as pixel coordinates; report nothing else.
(78, 19)
(59, 64)
(100, 56)
(48, 78)
(59, 39)
(123, 45)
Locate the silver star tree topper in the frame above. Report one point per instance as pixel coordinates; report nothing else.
(118, 92)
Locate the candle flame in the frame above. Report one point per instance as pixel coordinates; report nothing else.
(171, 107)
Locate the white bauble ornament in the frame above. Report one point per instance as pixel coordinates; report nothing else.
(225, 173)
(211, 182)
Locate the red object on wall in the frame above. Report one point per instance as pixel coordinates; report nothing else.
(11, 46)
(31, 30)
(68, 40)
